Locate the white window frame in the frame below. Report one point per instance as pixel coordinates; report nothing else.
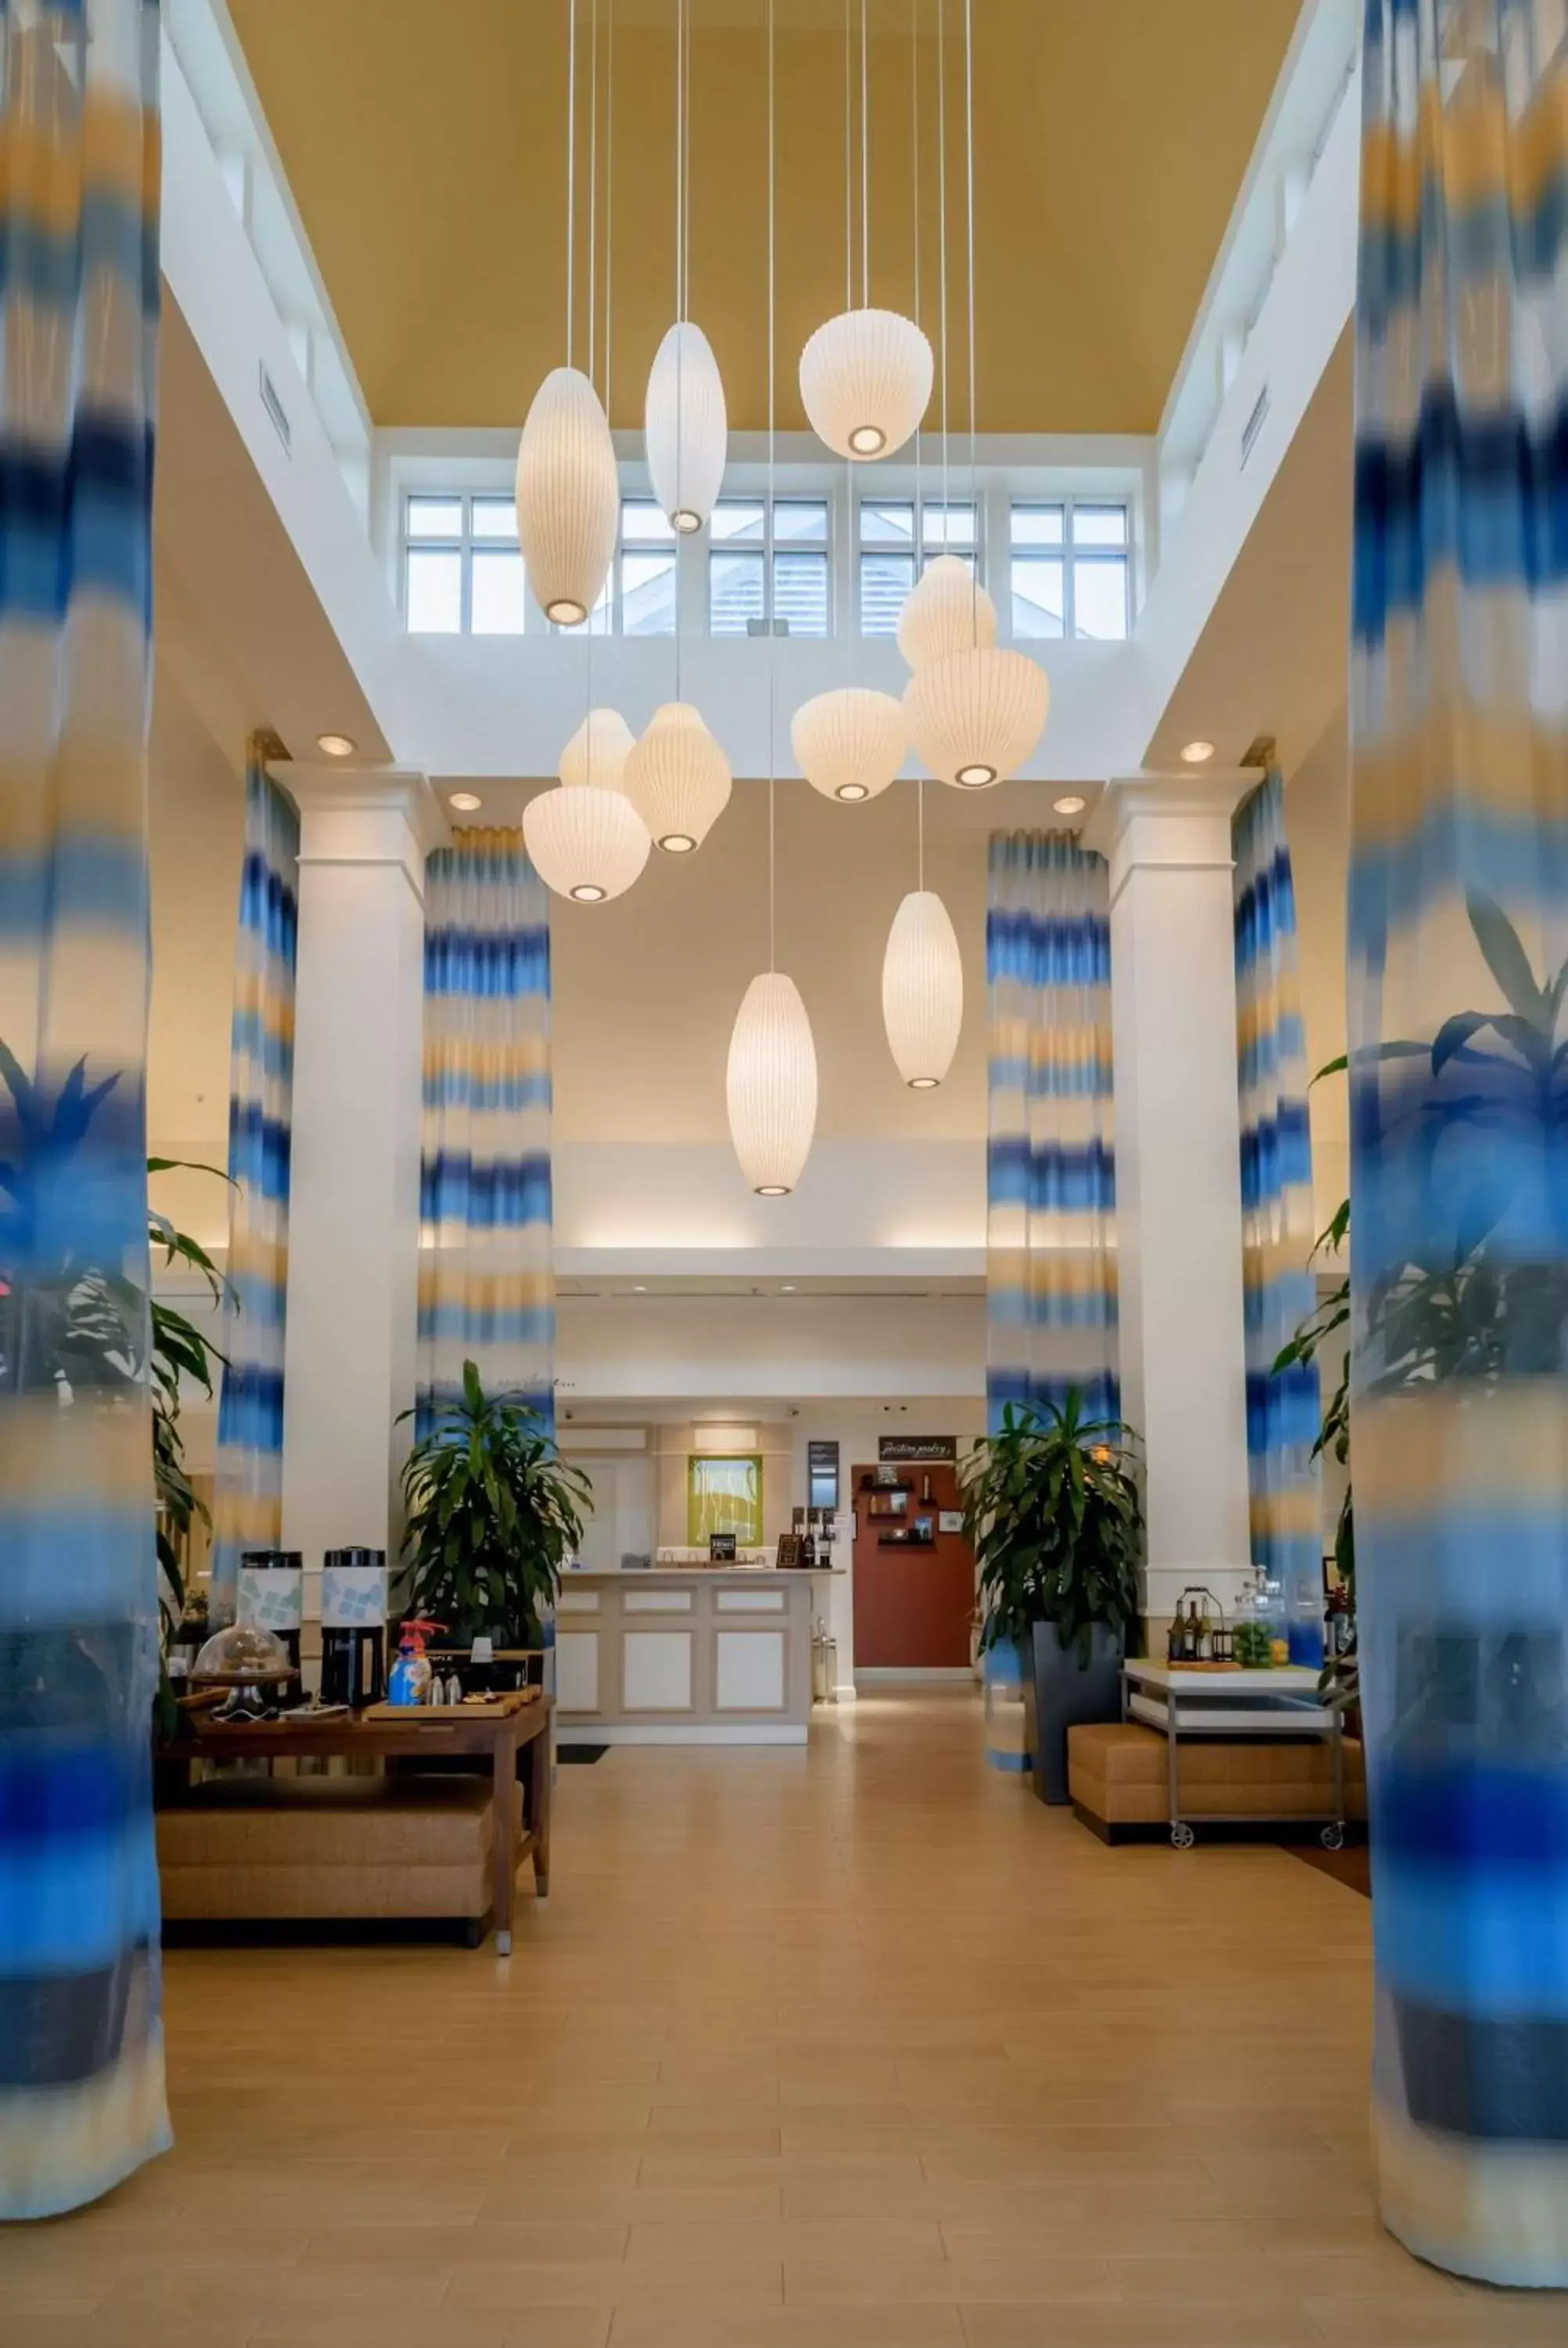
(928, 499)
(768, 546)
(1071, 554)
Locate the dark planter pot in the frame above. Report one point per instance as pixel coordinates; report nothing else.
(1066, 1694)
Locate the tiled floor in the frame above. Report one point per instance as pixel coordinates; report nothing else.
(854, 2049)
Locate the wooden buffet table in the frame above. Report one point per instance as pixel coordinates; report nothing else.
(520, 1721)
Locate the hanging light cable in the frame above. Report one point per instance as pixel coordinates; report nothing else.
(567, 494)
(922, 971)
(850, 743)
(586, 840)
(770, 1082)
(685, 421)
(865, 376)
(975, 712)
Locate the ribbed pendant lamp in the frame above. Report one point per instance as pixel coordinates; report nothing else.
(586, 843)
(975, 716)
(944, 611)
(598, 752)
(685, 424)
(678, 779)
(850, 744)
(770, 1084)
(922, 990)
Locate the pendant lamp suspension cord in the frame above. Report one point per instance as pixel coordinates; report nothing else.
(919, 517)
(865, 170)
(969, 229)
(592, 182)
(570, 165)
(942, 225)
(686, 176)
(767, 602)
(680, 158)
(608, 181)
(848, 160)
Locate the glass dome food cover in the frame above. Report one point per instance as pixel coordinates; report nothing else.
(242, 1653)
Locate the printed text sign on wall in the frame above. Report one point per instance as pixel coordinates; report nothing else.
(928, 1448)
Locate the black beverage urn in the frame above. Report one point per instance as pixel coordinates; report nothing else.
(353, 1626)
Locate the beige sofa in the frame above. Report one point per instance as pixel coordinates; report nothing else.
(283, 1849)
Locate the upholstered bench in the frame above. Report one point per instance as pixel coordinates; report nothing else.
(252, 1850)
(1116, 1775)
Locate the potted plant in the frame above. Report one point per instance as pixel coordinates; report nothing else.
(491, 1509)
(1052, 1510)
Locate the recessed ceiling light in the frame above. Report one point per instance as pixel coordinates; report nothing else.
(639, 1288)
(1071, 805)
(336, 746)
(787, 1288)
(1197, 754)
(465, 801)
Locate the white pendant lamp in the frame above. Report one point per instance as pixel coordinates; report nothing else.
(771, 1085)
(598, 752)
(866, 380)
(568, 497)
(678, 779)
(850, 744)
(975, 715)
(586, 843)
(686, 426)
(944, 611)
(922, 990)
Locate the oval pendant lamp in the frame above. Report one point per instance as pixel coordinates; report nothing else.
(849, 744)
(686, 426)
(585, 843)
(678, 779)
(922, 990)
(944, 611)
(569, 499)
(975, 715)
(770, 1084)
(866, 380)
(598, 752)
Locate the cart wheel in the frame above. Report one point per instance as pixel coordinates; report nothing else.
(1182, 1836)
(1333, 1837)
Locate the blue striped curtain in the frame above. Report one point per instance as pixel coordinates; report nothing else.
(1458, 972)
(1050, 1172)
(81, 2051)
(487, 1288)
(249, 1511)
(1279, 1287)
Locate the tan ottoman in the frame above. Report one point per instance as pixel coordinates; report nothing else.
(1117, 1776)
(285, 1848)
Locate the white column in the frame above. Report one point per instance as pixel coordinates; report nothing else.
(1178, 1169)
(353, 1199)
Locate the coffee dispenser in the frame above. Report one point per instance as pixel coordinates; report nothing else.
(353, 1626)
(270, 1595)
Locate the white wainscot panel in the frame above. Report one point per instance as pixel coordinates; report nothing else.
(577, 1601)
(750, 1602)
(750, 1670)
(577, 1670)
(656, 1671)
(656, 1602)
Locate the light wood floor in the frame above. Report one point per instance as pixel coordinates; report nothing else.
(858, 2049)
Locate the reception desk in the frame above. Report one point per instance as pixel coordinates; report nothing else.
(684, 1655)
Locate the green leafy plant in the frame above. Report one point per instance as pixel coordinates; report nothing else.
(80, 1325)
(1051, 1506)
(492, 1510)
(1460, 1306)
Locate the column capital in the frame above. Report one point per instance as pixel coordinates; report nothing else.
(364, 815)
(1168, 822)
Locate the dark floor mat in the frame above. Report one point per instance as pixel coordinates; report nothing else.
(581, 1752)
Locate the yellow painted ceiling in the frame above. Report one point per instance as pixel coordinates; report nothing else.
(425, 144)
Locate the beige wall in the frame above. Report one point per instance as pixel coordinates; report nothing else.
(1317, 815)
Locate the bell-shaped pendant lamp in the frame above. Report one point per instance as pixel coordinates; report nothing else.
(569, 498)
(922, 990)
(678, 779)
(866, 380)
(975, 715)
(686, 426)
(585, 843)
(771, 1085)
(850, 744)
(946, 611)
(597, 754)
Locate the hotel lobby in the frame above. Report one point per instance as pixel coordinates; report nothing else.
(784, 1554)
